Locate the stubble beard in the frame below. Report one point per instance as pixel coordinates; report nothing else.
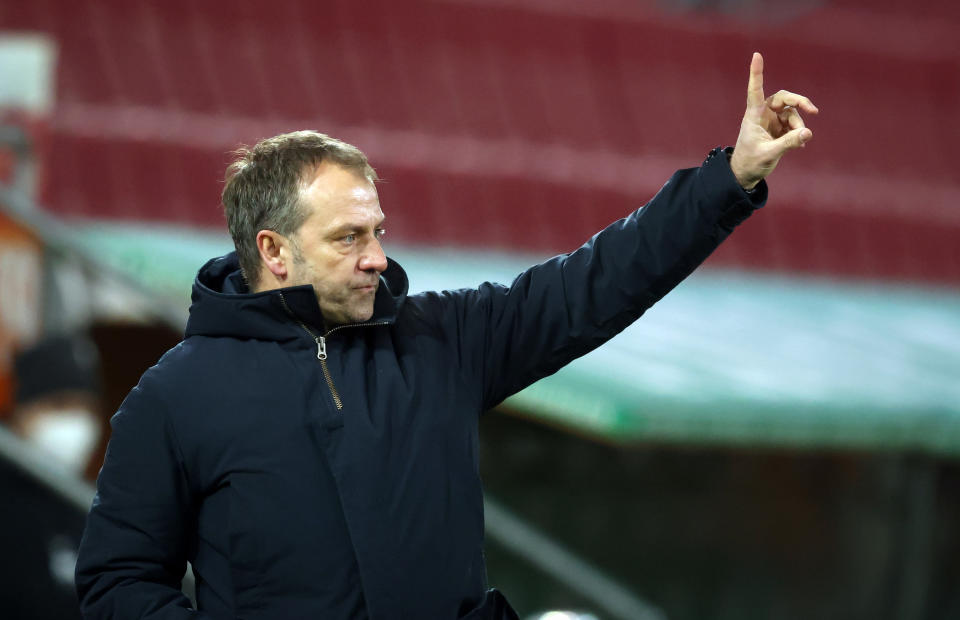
(339, 305)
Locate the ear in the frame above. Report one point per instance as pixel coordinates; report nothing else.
(274, 252)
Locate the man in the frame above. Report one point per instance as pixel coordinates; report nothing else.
(57, 405)
(311, 446)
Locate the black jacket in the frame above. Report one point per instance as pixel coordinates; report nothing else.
(348, 487)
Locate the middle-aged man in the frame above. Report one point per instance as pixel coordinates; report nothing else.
(311, 446)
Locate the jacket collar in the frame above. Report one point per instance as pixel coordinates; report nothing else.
(224, 306)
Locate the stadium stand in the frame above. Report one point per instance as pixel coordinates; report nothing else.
(561, 117)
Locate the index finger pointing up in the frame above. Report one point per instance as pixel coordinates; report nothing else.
(755, 85)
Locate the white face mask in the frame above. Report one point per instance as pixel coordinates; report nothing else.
(68, 435)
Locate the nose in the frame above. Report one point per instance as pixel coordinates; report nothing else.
(373, 258)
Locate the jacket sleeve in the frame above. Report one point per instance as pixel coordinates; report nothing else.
(133, 553)
(567, 306)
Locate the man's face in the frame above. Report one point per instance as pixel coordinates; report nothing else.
(337, 249)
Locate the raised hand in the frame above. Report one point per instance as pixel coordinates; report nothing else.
(771, 126)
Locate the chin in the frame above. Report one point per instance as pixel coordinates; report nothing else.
(366, 316)
(360, 316)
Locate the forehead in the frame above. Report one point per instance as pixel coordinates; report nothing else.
(334, 196)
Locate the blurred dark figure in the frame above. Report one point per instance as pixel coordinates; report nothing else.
(40, 531)
(57, 400)
(56, 413)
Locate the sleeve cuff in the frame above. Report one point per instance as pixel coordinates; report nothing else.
(739, 203)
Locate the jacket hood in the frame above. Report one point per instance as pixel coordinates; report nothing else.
(224, 306)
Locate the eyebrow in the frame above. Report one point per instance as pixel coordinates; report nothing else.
(349, 228)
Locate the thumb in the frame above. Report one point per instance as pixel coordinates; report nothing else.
(793, 139)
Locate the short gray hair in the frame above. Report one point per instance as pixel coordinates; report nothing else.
(262, 187)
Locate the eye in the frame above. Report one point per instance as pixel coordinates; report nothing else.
(349, 238)
(379, 233)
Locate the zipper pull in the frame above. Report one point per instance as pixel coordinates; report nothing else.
(321, 348)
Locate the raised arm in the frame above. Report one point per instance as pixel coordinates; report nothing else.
(559, 310)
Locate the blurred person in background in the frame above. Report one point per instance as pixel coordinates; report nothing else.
(57, 405)
(311, 446)
(57, 400)
(56, 411)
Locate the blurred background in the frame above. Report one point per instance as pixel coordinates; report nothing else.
(778, 438)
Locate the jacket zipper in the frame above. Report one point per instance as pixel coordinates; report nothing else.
(322, 348)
